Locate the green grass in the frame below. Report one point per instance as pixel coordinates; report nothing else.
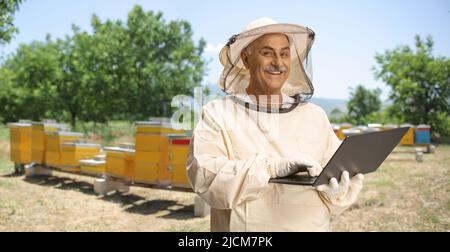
(6, 166)
(384, 182)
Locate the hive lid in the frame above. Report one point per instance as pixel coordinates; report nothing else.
(390, 126)
(351, 130)
(174, 136)
(18, 124)
(91, 162)
(93, 145)
(51, 124)
(127, 145)
(68, 133)
(153, 124)
(423, 126)
(118, 149)
(374, 125)
(100, 157)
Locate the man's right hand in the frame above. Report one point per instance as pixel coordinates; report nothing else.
(298, 163)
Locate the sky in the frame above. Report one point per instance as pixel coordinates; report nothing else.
(349, 33)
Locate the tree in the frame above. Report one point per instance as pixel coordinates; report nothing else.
(420, 84)
(7, 28)
(28, 82)
(362, 103)
(164, 61)
(122, 70)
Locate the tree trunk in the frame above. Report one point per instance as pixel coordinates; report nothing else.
(73, 119)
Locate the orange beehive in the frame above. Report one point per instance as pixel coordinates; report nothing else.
(408, 138)
(178, 153)
(120, 162)
(72, 153)
(53, 141)
(20, 142)
(93, 166)
(38, 142)
(152, 157)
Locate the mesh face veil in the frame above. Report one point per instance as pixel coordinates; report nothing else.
(298, 87)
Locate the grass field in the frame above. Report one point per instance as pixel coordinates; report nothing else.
(403, 195)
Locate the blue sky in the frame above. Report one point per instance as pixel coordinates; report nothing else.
(348, 32)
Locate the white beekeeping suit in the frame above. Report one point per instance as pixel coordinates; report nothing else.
(236, 148)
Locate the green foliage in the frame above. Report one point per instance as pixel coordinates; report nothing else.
(420, 85)
(121, 71)
(363, 104)
(7, 28)
(27, 82)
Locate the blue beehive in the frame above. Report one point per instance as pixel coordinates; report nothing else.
(422, 134)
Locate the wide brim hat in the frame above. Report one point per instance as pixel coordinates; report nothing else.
(235, 77)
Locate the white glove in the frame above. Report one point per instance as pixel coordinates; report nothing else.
(345, 192)
(298, 163)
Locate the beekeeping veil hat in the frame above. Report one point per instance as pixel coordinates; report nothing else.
(235, 77)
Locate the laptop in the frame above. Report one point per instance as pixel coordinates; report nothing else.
(362, 153)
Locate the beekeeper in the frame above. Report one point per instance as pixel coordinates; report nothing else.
(265, 128)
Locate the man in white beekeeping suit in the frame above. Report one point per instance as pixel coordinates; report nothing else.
(265, 128)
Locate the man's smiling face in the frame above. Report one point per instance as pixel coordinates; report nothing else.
(268, 59)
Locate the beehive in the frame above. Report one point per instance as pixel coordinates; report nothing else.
(152, 157)
(53, 142)
(345, 125)
(151, 167)
(72, 153)
(422, 134)
(351, 132)
(408, 138)
(20, 142)
(178, 153)
(38, 142)
(93, 166)
(120, 162)
(337, 130)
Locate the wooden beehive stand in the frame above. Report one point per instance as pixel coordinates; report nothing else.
(156, 160)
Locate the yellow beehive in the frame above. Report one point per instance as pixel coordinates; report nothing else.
(151, 142)
(146, 172)
(72, 153)
(152, 146)
(120, 162)
(408, 138)
(151, 167)
(351, 132)
(338, 131)
(345, 126)
(20, 142)
(38, 142)
(179, 149)
(53, 142)
(92, 166)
